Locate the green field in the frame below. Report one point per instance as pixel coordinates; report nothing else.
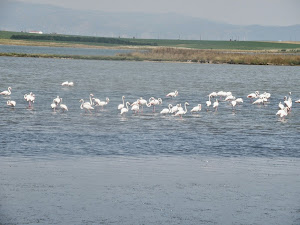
(117, 42)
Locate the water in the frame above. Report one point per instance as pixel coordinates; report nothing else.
(104, 168)
(250, 130)
(60, 50)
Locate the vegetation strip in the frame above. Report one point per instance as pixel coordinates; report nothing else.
(184, 55)
(106, 40)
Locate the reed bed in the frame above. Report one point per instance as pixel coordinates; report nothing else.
(186, 55)
(215, 56)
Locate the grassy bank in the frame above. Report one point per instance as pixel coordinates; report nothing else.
(6, 37)
(185, 55)
(218, 52)
(217, 57)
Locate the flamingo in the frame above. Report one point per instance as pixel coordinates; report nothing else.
(182, 112)
(142, 102)
(96, 101)
(30, 98)
(208, 103)
(91, 100)
(233, 104)
(196, 108)
(172, 94)
(298, 101)
(121, 106)
(288, 102)
(282, 112)
(179, 107)
(135, 108)
(53, 105)
(239, 100)
(63, 106)
(153, 102)
(11, 103)
(222, 94)
(125, 110)
(57, 100)
(8, 92)
(174, 109)
(280, 105)
(259, 101)
(86, 105)
(229, 98)
(265, 95)
(66, 83)
(166, 110)
(216, 105)
(253, 95)
(213, 94)
(101, 103)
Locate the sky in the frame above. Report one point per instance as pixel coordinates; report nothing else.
(238, 12)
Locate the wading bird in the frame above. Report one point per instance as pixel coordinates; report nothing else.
(8, 92)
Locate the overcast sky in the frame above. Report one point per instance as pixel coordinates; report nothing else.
(241, 12)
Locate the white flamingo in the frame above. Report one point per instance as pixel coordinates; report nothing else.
(265, 95)
(180, 107)
(172, 94)
(8, 92)
(63, 106)
(174, 109)
(57, 100)
(282, 112)
(239, 100)
(66, 83)
(196, 108)
(142, 102)
(288, 103)
(233, 104)
(166, 110)
(208, 103)
(11, 103)
(125, 109)
(253, 95)
(86, 105)
(222, 94)
(297, 101)
(259, 101)
(182, 112)
(216, 105)
(135, 108)
(153, 102)
(280, 105)
(213, 94)
(53, 105)
(30, 98)
(121, 106)
(101, 103)
(230, 98)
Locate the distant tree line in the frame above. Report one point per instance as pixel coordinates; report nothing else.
(79, 39)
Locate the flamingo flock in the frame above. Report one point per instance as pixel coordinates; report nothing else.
(214, 99)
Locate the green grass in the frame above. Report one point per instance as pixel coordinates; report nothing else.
(195, 44)
(229, 45)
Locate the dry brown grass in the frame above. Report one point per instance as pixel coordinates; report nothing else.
(217, 57)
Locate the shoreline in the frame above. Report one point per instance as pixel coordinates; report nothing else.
(207, 57)
(165, 54)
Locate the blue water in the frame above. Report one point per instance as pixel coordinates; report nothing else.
(250, 130)
(224, 167)
(60, 50)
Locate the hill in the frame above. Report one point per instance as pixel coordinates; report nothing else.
(21, 16)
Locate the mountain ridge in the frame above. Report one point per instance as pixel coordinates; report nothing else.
(20, 16)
